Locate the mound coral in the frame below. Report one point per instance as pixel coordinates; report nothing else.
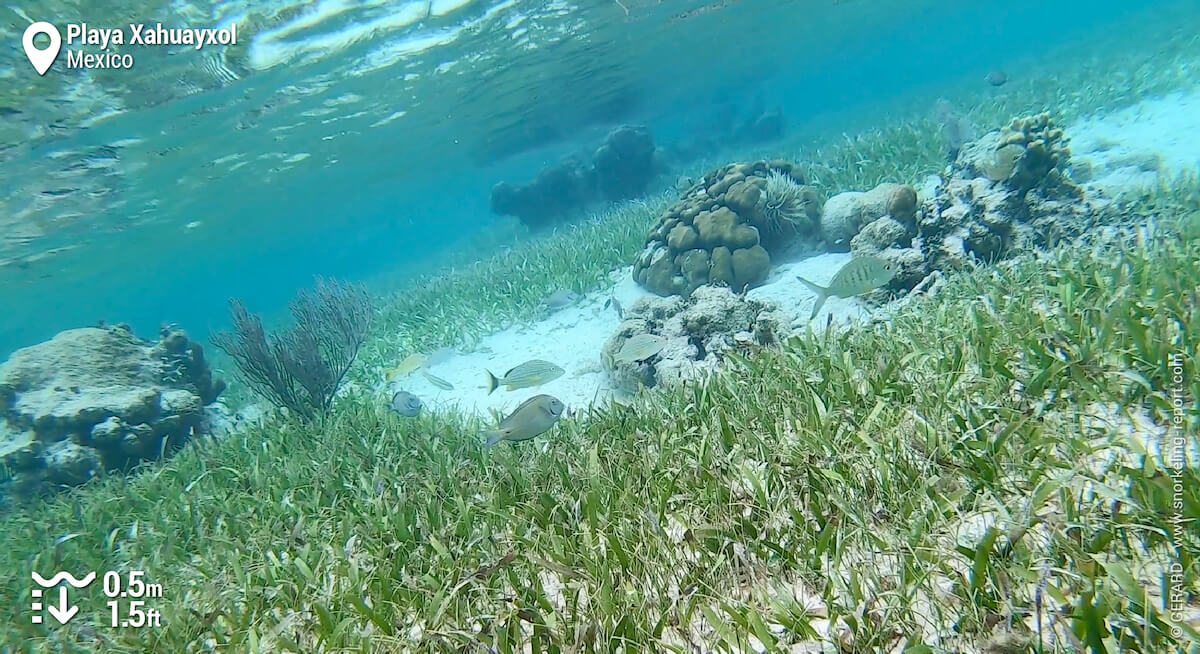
(727, 226)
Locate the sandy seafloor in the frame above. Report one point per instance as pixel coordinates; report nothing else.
(1133, 147)
(1130, 148)
(574, 336)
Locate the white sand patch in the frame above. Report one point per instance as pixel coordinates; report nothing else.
(1132, 148)
(794, 298)
(574, 337)
(571, 337)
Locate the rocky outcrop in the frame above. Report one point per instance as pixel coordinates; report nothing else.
(96, 399)
(1003, 193)
(697, 332)
(620, 169)
(846, 214)
(725, 228)
(882, 222)
(554, 194)
(624, 163)
(726, 127)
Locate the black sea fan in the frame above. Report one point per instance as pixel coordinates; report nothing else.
(301, 369)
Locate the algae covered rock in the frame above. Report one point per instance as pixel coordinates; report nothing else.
(694, 334)
(1005, 192)
(847, 213)
(739, 216)
(892, 241)
(96, 399)
(879, 234)
(68, 463)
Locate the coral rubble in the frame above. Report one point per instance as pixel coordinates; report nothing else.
(697, 330)
(1004, 192)
(96, 399)
(725, 228)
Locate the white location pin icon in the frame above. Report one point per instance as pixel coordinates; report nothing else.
(41, 59)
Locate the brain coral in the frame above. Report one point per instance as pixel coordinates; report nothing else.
(725, 228)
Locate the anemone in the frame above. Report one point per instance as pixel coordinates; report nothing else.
(782, 204)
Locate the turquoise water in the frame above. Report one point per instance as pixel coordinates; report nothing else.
(833, 368)
(407, 120)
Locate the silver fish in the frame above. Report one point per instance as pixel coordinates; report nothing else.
(640, 347)
(612, 301)
(534, 416)
(527, 375)
(858, 276)
(560, 299)
(437, 381)
(406, 404)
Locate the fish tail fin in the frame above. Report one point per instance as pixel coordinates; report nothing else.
(493, 437)
(822, 295)
(817, 305)
(493, 383)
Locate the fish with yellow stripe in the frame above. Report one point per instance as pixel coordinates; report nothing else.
(534, 372)
(406, 367)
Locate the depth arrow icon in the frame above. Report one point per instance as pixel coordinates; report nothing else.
(63, 612)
